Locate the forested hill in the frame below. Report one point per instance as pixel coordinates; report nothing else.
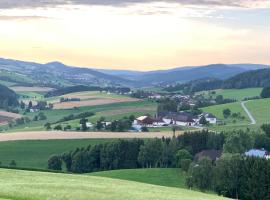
(256, 78)
(8, 98)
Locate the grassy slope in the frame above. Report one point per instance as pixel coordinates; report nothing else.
(35, 154)
(164, 177)
(260, 110)
(55, 115)
(234, 107)
(38, 186)
(238, 94)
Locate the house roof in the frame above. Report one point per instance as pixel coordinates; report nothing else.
(212, 154)
(208, 115)
(141, 118)
(180, 117)
(256, 153)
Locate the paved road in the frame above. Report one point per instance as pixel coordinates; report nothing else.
(252, 119)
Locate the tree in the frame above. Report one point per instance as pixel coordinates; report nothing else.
(201, 174)
(226, 112)
(182, 155)
(55, 163)
(238, 142)
(203, 121)
(13, 163)
(228, 175)
(185, 163)
(150, 153)
(22, 105)
(83, 123)
(144, 129)
(48, 126)
(266, 129)
(58, 127)
(265, 92)
(30, 104)
(42, 116)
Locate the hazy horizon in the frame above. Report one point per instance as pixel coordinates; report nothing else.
(135, 34)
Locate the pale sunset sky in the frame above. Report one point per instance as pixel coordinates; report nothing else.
(136, 34)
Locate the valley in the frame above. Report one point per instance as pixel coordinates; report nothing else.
(139, 138)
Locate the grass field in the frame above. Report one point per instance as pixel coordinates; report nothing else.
(231, 123)
(237, 94)
(164, 177)
(260, 109)
(21, 185)
(100, 110)
(35, 154)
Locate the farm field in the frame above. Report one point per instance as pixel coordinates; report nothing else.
(30, 89)
(260, 109)
(230, 123)
(55, 115)
(170, 177)
(37, 185)
(35, 154)
(90, 99)
(6, 117)
(237, 94)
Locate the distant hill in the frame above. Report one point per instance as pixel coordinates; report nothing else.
(8, 98)
(256, 78)
(56, 74)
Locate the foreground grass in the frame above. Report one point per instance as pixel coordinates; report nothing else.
(164, 177)
(35, 154)
(21, 185)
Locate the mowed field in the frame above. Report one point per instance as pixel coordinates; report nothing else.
(260, 109)
(30, 89)
(35, 154)
(6, 117)
(90, 99)
(170, 177)
(237, 94)
(41, 186)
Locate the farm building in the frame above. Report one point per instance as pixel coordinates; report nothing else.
(209, 117)
(212, 154)
(261, 153)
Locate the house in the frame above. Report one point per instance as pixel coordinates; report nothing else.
(209, 117)
(181, 119)
(214, 155)
(144, 121)
(159, 122)
(260, 153)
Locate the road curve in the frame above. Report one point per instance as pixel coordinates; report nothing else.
(60, 135)
(252, 119)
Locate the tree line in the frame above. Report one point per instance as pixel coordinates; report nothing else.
(136, 153)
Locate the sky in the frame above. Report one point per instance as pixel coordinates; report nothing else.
(136, 34)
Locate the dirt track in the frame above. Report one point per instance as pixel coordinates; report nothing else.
(56, 135)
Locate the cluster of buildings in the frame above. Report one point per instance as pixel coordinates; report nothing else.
(215, 155)
(173, 118)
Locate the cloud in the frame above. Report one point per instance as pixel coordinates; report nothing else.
(4, 4)
(6, 17)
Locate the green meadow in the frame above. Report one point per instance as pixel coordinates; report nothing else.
(35, 154)
(170, 177)
(22, 185)
(237, 94)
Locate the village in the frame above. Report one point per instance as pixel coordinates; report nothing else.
(174, 119)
